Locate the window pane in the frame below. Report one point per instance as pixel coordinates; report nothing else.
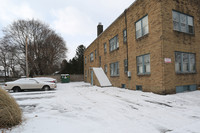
(145, 21)
(178, 62)
(183, 27)
(192, 63)
(139, 65)
(124, 36)
(190, 25)
(105, 48)
(146, 59)
(190, 21)
(125, 65)
(111, 70)
(145, 30)
(190, 29)
(183, 22)
(175, 16)
(139, 60)
(138, 29)
(124, 33)
(117, 68)
(105, 68)
(183, 18)
(148, 68)
(138, 25)
(147, 63)
(116, 42)
(176, 25)
(185, 62)
(111, 44)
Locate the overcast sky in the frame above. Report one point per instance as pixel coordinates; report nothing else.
(74, 20)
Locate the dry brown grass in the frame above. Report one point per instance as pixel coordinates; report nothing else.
(10, 113)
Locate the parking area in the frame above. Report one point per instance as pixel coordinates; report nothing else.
(79, 107)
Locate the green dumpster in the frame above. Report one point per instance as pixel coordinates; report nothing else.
(65, 78)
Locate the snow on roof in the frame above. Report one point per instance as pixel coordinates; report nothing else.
(101, 76)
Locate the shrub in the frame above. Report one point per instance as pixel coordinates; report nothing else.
(10, 113)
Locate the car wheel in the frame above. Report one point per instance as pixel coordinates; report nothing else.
(46, 88)
(16, 89)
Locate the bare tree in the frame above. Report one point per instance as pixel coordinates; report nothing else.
(4, 57)
(45, 47)
(8, 58)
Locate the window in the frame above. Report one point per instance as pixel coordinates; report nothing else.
(114, 44)
(85, 60)
(99, 60)
(125, 65)
(185, 62)
(142, 27)
(114, 69)
(183, 22)
(105, 68)
(139, 87)
(91, 57)
(105, 49)
(95, 52)
(180, 89)
(143, 64)
(85, 73)
(125, 36)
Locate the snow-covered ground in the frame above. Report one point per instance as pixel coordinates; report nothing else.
(81, 108)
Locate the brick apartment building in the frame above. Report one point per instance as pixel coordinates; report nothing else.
(154, 46)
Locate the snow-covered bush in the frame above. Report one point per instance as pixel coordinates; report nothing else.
(10, 113)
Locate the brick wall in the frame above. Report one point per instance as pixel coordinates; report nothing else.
(160, 43)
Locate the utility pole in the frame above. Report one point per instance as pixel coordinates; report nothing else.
(26, 57)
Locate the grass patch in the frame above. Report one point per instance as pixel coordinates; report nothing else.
(10, 112)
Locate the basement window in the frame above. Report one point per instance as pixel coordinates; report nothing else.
(139, 87)
(184, 88)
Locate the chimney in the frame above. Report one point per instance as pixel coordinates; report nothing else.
(99, 29)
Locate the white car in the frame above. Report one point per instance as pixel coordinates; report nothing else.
(46, 79)
(28, 84)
